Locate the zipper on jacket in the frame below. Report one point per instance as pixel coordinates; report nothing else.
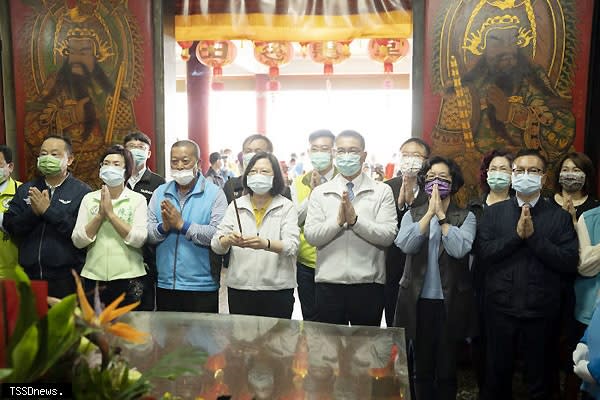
(175, 260)
(40, 251)
(177, 243)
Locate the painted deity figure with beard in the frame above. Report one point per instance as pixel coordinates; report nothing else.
(78, 57)
(503, 100)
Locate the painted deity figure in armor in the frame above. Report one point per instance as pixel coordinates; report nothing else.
(73, 93)
(501, 88)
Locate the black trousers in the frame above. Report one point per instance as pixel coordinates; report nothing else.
(187, 301)
(504, 333)
(305, 276)
(263, 303)
(110, 290)
(60, 288)
(359, 304)
(435, 353)
(393, 274)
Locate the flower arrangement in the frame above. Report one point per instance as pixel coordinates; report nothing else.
(72, 343)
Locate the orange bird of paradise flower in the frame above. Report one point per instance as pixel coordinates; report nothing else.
(104, 319)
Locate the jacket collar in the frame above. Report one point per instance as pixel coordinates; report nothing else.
(11, 187)
(244, 202)
(366, 184)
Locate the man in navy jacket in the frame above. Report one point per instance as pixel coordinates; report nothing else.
(526, 244)
(42, 215)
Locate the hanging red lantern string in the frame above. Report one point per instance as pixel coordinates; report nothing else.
(216, 54)
(388, 51)
(185, 49)
(329, 53)
(273, 55)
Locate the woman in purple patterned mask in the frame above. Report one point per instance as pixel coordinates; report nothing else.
(437, 238)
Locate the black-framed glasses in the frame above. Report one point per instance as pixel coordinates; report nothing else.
(532, 170)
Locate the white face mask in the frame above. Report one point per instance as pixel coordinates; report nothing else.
(410, 165)
(260, 184)
(183, 177)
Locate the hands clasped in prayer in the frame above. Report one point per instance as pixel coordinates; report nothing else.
(525, 224)
(171, 217)
(40, 201)
(346, 212)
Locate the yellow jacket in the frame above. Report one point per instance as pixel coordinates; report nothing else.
(9, 255)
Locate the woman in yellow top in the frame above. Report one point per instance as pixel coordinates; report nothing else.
(262, 269)
(112, 225)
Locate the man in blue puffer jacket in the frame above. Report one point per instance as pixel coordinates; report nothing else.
(183, 216)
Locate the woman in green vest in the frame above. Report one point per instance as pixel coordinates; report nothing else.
(112, 225)
(9, 255)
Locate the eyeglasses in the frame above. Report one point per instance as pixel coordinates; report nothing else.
(136, 146)
(432, 176)
(403, 154)
(324, 149)
(353, 151)
(533, 170)
(499, 169)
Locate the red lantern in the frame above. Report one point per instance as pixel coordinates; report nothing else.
(388, 51)
(216, 54)
(185, 49)
(329, 53)
(273, 54)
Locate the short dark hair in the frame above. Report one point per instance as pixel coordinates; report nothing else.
(188, 143)
(126, 154)
(583, 162)
(214, 157)
(65, 139)
(278, 182)
(258, 136)
(137, 135)
(326, 133)
(455, 172)
(420, 142)
(7, 153)
(485, 164)
(532, 152)
(352, 134)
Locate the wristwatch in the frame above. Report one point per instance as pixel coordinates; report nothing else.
(442, 221)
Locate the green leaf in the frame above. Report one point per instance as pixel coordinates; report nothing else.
(4, 372)
(23, 355)
(60, 334)
(182, 361)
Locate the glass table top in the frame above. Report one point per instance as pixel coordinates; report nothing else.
(223, 356)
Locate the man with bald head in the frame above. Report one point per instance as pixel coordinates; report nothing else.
(183, 215)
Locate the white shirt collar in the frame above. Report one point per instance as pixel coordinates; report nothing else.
(134, 179)
(532, 203)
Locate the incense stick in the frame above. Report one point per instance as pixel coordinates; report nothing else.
(237, 214)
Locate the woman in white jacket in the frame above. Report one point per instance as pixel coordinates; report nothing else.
(262, 269)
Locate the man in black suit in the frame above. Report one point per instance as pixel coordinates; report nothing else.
(407, 194)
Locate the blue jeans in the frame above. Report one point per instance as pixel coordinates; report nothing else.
(305, 276)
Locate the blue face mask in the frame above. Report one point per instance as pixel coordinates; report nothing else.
(139, 156)
(526, 183)
(260, 184)
(320, 160)
(112, 176)
(348, 164)
(498, 181)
